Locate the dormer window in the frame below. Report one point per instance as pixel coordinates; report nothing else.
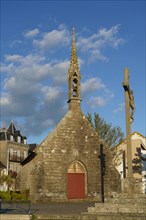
(24, 141)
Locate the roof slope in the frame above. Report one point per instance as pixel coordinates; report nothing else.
(73, 128)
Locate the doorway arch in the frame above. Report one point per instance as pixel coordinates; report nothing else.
(76, 181)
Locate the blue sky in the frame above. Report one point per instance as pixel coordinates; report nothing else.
(35, 54)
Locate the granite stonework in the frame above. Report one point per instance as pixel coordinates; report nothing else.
(72, 148)
(123, 203)
(74, 139)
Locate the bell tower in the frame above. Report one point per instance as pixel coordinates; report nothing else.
(74, 77)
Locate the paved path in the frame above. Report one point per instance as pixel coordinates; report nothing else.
(50, 208)
(14, 217)
(61, 208)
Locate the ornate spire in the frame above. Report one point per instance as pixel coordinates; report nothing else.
(74, 58)
(73, 76)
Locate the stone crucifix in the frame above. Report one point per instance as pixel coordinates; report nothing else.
(129, 113)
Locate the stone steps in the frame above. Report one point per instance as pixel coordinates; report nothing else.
(127, 201)
(134, 199)
(116, 208)
(121, 204)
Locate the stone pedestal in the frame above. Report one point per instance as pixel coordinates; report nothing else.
(128, 185)
(131, 186)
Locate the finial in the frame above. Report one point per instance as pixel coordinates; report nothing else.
(73, 31)
(73, 37)
(74, 59)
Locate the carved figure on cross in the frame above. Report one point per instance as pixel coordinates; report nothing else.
(130, 93)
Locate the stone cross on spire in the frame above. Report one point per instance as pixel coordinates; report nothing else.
(74, 77)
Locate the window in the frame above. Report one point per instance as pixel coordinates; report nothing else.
(18, 155)
(24, 141)
(11, 138)
(11, 167)
(75, 87)
(75, 84)
(25, 154)
(11, 153)
(74, 94)
(19, 139)
(14, 155)
(18, 169)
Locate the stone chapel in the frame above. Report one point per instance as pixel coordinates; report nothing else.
(66, 164)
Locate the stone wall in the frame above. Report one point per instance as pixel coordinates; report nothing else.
(74, 139)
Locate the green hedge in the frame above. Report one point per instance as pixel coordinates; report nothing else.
(5, 196)
(13, 196)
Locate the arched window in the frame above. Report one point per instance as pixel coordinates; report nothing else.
(76, 167)
(75, 81)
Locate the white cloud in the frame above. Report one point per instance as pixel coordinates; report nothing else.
(31, 33)
(53, 38)
(89, 90)
(13, 58)
(97, 55)
(4, 100)
(108, 34)
(51, 93)
(96, 42)
(33, 89)
(59, 71)
(98, 101)
(35, 67)
(119, 108)
(92, 85)
(16, 43)
(7, 68)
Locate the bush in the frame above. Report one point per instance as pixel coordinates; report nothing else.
(25, 193)
(8, 196)
(17, 196)
(5, 196)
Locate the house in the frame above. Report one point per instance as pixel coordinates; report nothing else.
(13, 150)
(3, 171)
(138, 143)
(66, 164)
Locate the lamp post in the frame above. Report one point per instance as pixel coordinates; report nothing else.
(103, 167)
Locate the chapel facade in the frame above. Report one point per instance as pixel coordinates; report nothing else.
(66, 164)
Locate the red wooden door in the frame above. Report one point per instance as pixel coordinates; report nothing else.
(76, 185)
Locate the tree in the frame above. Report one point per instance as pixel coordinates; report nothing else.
(111, 136)
(6, 179)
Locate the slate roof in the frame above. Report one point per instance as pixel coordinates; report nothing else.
(5, 134)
